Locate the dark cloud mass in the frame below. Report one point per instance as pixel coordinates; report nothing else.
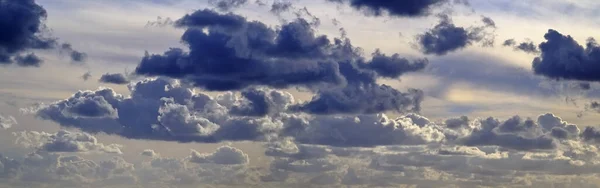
(116, 78)
(402, 8)
(446, 37)
(22, 29)
(235, 54)
(564, 58)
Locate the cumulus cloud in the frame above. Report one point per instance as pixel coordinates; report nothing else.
(225, 155)
(400, 8)
(252, 54)
(7, 121)
(116, 78)
(564, 58)
(64, 141)
(163, 109)
(446, 37)
(41, 169)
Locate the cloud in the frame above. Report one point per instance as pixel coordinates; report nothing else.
(149, 153)
(22, 29)
(279, 7)
(363, 99)
(64, 141)
(7, 121)
(564, 58)
(86, 76)
(41, 169)
(488, 21)
(225, 155)
(527, 47)
(446, 37)
(29, 60)
(591, 134)
(252, 54)
(509, 42)
(163, 109)
(116, 78)
(76, 56)
(228, 5)
(394, 66)
(400, 8)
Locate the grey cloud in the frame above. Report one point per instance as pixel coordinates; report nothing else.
(149, 153)
(86, 76)
(591, 134)
(527, 47)
(488, 21)
(116, 78)
(64, 141)
(228, 5)
(29, 60)
(279, 7)
(76, 56)
(446, 37)
(224, 155)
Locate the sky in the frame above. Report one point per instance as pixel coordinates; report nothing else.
(299, 93)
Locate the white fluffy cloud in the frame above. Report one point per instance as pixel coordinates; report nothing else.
(7, 122)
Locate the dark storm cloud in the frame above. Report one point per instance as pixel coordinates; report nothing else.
(228, 5)
(446, 37)
(400, 8)
(564, 58)
(235, 54)
(116, 78)
(21, 30)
